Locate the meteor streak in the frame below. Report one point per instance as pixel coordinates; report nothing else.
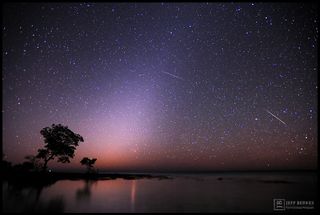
(173, 75)
(276, 117)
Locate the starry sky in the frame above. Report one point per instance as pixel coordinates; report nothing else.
(164, 86)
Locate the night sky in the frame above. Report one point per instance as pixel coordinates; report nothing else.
(164, 86)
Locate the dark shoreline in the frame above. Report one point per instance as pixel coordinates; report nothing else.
(39, 179)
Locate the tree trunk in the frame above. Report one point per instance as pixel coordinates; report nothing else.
(46, 163)
(44, 168)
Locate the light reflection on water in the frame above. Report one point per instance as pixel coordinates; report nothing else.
(232, 193)
(133, 194)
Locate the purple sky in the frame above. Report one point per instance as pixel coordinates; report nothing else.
(172, 86)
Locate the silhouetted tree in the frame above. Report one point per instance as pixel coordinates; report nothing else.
(24, 167)
(60, 142)
(88, 162)
(33, 162)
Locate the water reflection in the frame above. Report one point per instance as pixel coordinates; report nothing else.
(27, 199)
(83, 194)
(133, 194)
(226, 193)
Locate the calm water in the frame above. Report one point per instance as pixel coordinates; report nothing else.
(183, 193)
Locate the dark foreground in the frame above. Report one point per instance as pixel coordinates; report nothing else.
(219, 192)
